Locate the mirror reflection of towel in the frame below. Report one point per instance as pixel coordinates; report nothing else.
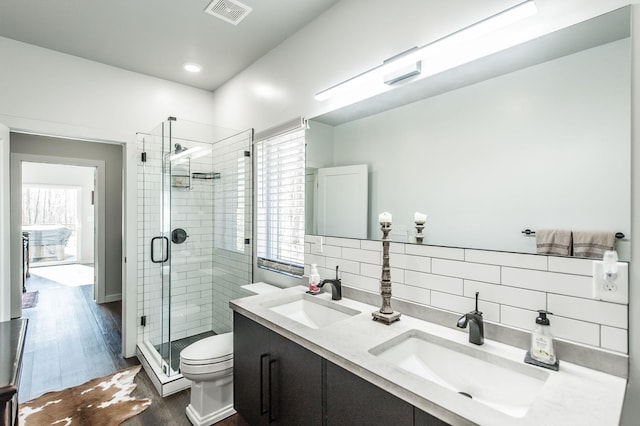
(592, 244)
(556, 242)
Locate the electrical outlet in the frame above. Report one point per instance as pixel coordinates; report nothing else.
(613, 290)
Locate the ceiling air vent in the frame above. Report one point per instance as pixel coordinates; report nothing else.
(231, 11)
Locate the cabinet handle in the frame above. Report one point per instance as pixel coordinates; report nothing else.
(273, 391)
(264, 384)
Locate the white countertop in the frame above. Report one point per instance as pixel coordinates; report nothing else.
(574, 395)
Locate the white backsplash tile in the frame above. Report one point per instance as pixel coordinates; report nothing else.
(342, 242)
(615, 339)
(512, 286)
(331, 251)
(318, 259)
(433, 282)
(472, 271)
(361, 282)
(343, 266)
(517, 317)
(435, 251)
(375, 271)
(411, 294)
(569, 265)
(462, 305)
(594, 311)
(414, 263)
(366, 256)
(396, 248)
(552, 282)
(574, 330)
(371, 245)
(516, 260)
(505, 295)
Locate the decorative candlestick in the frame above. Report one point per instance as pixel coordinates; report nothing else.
(419, 219)
(419, 235)
(385, 314)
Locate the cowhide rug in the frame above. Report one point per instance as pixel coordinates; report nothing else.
(104, 401)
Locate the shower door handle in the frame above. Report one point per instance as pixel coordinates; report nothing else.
(165, 243)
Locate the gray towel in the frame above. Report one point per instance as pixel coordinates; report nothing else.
(556, 242)
(592, 244)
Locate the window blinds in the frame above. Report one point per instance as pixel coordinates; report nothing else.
(280, 181)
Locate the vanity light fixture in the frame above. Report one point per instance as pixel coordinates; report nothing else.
(192, 67)
(436, 54)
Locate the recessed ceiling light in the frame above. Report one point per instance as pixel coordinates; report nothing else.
(191, 67)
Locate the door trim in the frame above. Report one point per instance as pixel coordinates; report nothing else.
(5, 225)
(16, 214)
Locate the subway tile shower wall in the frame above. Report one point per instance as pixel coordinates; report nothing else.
(214, 254)
(512, 286)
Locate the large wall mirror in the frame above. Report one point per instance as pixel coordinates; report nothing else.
(536, 136)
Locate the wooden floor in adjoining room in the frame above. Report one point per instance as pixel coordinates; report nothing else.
(71, 339)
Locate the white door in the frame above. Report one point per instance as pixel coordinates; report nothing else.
(5, 225)
(343, 197)
(310, 199)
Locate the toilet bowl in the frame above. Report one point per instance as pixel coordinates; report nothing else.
(208, 363)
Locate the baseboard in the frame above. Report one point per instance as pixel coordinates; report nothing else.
(113, 298)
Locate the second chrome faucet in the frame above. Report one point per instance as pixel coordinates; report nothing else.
(476, 324)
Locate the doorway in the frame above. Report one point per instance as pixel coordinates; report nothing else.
(58, 205)
(58, 228)
(67, 325)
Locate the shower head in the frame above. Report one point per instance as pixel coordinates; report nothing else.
(180, 148)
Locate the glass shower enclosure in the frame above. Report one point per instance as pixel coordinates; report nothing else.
(194, 242)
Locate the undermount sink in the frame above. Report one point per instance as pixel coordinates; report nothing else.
(503, 384)
(311, 311)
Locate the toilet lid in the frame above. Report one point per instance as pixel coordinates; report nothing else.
(209, 350)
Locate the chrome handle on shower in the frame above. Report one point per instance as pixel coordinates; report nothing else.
(164, 249)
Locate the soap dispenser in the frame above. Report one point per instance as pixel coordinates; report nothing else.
(542, 344)
(314, 279)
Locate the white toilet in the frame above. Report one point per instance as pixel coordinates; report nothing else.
(208, 363)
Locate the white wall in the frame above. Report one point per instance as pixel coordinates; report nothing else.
(52, 93)
(5, 225)
(69, 176)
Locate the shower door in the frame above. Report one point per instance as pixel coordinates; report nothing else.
(154, 187)
(196, 214)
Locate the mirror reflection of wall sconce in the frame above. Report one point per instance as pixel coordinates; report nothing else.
(440, 55)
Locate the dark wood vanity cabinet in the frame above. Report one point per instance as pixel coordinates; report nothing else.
(275, 380)
(354, 401)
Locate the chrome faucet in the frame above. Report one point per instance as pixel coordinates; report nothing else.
(476, 325)
(336, 284)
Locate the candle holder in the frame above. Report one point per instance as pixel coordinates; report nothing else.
(419, 235)
(385, 314)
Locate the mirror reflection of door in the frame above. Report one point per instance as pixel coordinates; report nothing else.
(343, 194)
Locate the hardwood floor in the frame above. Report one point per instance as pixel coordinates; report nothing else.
(71, 339)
